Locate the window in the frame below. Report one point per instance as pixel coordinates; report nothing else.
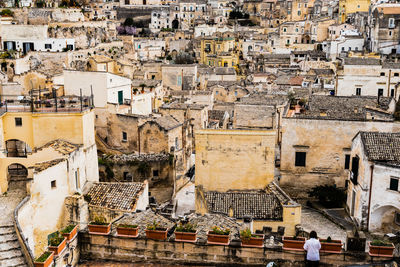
(300, 160)
(394, 184)
(153, 77)
(358, 91)
(284, 29)
(346, 161)
(396, 74)
(77, 179)
(127, 176)
(380, 92)
(354, 169)
(392, 92)
(155, 173)
(390, 33)
(47, 46)
(176, 143)
(216, 92)
(18, 121)
(299, 13)
(124, 136)
(382, 74)
(53, 184)
(391, 23)
(179, 80)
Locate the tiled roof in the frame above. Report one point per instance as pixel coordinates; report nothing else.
(115, 196)
(167, 122)
(41, 166)
(216, 115)
(256, 204)
(361, 61)
(64, 147)
(346, 107)
(382, 147)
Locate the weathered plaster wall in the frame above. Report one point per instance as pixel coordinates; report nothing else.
(234, 159)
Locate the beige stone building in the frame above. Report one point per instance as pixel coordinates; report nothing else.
(234, 176)
(316, 142)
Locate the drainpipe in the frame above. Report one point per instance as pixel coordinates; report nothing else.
(139, 139)
(369, 197)
(388, 87)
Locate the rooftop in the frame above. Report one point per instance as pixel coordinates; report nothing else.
(346, 107)
(115, 196)
(361, 61)
(41, 166)
(382, 147)
(61, 146)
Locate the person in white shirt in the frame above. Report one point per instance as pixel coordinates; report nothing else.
(312, 246)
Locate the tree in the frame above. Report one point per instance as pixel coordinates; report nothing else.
(128, 22)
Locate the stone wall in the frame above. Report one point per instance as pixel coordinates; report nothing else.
(122, 249)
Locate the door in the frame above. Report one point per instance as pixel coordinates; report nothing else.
(120, 97)
(353, 203)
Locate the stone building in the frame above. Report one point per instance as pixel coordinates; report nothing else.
(383, 29)
(234, 176)
(316, 142)
(368, 77)
(48, 157)
(374, 172)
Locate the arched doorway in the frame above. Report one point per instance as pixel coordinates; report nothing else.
(385, 218)
(17, 175)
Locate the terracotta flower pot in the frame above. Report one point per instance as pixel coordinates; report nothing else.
(125, 231)
(46, 263)
(256, 242)
(71, 235)
(217, 239)
(157, 234)
(289, 243)
(381, 251)
(58, 249)
(99, 229)
(185, 236)
(334, 246)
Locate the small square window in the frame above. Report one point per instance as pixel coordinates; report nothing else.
(396, 74)
(18, 121)
(300, 160)
(394, 184)
(382, 74)
(53, 184)
(155, 173)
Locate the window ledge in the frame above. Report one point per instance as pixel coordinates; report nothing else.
(124, 141)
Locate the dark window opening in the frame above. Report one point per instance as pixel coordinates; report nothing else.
(382, 74)
(380, 92)
(155, 173)
(354, 169)
(394, 184)
(300, 159)
(124, 136)
(18, 121)
(347, 162)
(53, 184)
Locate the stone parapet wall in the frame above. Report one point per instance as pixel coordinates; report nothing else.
(122, 249)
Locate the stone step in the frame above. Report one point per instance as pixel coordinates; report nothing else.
(9, 254)
(8, 237)
(9, 245)
(13, 262)
(6, 230)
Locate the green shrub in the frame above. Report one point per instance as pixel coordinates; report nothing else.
(125, 225)
(43, 257)
(381, 243)
(186, 228)
(246, 234)
(218, 231)
(56, 240)
(329, 195)
(99, 220)
(6, 12)
(68, 229)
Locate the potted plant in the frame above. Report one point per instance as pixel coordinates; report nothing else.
(185, 232)
(218, 236)
(57, 243)
(45, 259)
(379, 248)
(251, 240)
(99, 226)
(130, 230)
(293, 243)
(330, 245)
(70, 231)
(154, 231)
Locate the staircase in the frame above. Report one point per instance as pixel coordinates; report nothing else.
(10, 250)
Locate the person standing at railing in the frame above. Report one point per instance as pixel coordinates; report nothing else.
(312, 246)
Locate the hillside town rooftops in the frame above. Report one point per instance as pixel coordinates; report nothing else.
(361, 61)
(64, 147)
(115, 196)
